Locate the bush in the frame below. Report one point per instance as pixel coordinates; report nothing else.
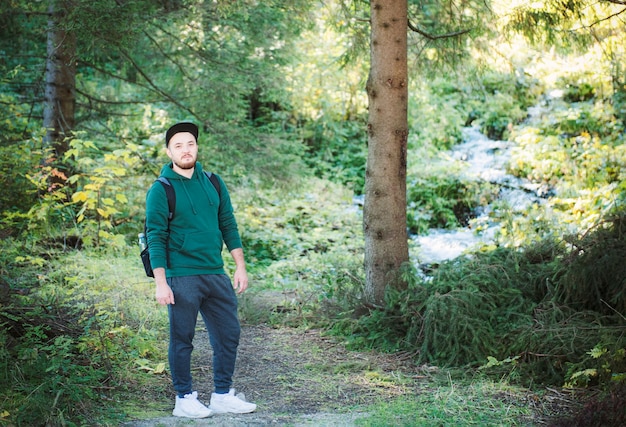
(540, 308)
(70, 340)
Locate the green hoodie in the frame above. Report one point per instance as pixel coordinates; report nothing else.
(197, 232)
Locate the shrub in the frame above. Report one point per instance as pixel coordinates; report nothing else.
(70, 339)
(539, 307)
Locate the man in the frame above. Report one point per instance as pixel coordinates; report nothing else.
(186, 256)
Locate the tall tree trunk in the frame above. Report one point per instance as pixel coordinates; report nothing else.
(384, 212)
(60, 92)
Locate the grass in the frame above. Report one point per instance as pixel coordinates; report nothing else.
(481, 403)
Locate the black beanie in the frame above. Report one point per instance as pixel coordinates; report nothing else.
(181, 127)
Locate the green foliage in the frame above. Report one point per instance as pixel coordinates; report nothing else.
(578, 151)
(500, 114)
(303, 249)
(594, 278)
(90, 207)
(71, 336)
(553, 23)
(19, 155)
(338, 151)
(442, 32)
(100, 191)
(437, 112)
(578, 92)
(443, 202)
(440, 107)
(506, 99)
(600, 366)
(291, 224)
(619, 102)
(49, 372)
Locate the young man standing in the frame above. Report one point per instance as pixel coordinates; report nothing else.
(186, 256)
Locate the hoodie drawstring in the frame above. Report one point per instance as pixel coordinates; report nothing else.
(193, 207)
(202, 177)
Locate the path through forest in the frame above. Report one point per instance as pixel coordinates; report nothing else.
(295, 377)
(301, 378)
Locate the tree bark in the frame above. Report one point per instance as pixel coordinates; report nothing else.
(60, 91)
(384, 211)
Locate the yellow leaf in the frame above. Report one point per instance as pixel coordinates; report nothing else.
(89, 144)
(160, 368)
(119, 171)
(107, 201)
(121, 198)
(104, 234)
(103, 213)
(79, 196)
(4, 414)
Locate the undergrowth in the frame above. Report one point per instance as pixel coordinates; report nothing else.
(533, 314)
(74, 337)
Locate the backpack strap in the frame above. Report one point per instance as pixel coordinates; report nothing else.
(171, 206)
(213, 178)
(170, 194)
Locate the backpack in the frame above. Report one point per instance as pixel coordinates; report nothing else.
(171, 205)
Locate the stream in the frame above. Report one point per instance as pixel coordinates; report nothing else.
(483, 160)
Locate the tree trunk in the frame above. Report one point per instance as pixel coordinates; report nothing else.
(384, 212)
(60, 92)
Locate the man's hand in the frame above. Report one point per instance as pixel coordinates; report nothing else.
(240, 278)
(164, 294)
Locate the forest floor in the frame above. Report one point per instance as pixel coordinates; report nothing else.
(302, 378)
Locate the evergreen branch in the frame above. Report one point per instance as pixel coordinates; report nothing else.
(606, 18)
(613, 309)
(166, 55)
(95, 99)
(106, 72)
(201, 53)
(436, 37)
(155, 87)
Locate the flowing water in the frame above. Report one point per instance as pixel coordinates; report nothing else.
(483, 160)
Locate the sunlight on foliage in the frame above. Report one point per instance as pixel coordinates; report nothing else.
(278, 89)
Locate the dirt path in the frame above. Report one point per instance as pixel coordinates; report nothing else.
(301, 378)
(296, 378)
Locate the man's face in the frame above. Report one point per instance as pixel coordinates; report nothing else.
(183, 150)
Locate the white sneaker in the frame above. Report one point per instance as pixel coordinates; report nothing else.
(221, 403)
(190, 407)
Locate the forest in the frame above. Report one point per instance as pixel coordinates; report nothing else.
(441, 182)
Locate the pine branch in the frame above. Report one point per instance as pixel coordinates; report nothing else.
(154, 86)
(436, 37)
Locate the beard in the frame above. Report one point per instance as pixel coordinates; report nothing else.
(190, 164)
